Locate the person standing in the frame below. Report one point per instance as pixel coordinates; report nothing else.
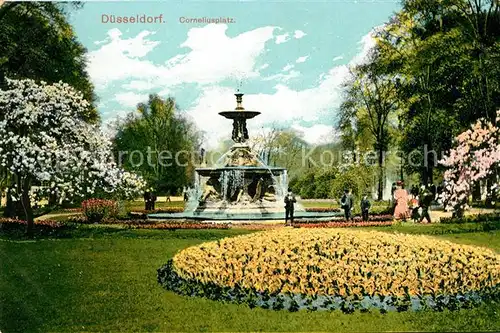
(153, 200)
(147, 200)
(425, 203)
(289, 206)
(365, 207)
(401, 210)
(346, 203)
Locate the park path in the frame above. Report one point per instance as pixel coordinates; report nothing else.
(436, 215)
(51, 216)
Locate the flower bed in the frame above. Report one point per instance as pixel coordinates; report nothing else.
(357, 219)
(148, 224)
(71, 210)
(41, 223)
(184, 225)
(343, 224)
(96, 210)
(322, 209)
(336, 269)
(160, 210)
(40, 227)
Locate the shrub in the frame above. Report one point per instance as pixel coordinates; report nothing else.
(96, 210)
(336, 269)
(491, 217)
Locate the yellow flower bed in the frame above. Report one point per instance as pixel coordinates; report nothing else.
(339, 262)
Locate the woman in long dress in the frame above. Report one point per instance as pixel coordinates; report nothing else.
(401, 197)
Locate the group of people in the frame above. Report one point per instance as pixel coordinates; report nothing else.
(346, 203)
(415, 205)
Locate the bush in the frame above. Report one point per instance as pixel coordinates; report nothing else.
(491, 217)
(96, 210)
(330, 183)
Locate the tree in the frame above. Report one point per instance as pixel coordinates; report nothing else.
(476, 156)
(167, 141)
(446, 55)
(44, 139)
(38, 43)
(370, 102)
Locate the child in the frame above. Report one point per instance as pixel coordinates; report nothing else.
(365, 207)
(414, 209)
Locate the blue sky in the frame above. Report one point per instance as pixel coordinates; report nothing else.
(291, 58)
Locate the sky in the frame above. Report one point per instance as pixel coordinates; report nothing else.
(290, 58)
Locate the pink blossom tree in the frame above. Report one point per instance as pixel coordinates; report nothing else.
(475, 157)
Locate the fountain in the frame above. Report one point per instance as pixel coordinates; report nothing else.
(240, 186)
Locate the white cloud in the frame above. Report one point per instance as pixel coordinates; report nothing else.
(130, 99)
(263, 67)
(282, 38)
(317, 104)
(229, 57)
(283, 77)
(316, 134)
(366, 43)
(119, 58)
(301, 59)
(211, 57)
(288, 67)
(338, 58)
(299, 34)
(139, 85)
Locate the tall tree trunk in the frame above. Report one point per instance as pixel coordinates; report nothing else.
(380, 191)
(13, 209)
(26, 203)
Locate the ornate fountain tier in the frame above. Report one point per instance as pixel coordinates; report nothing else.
(239, 116)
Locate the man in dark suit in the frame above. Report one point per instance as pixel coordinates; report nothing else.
(346, 203)
(289, 206)
(425, 203)
(153, 201)
(147, 200)
(365, 207)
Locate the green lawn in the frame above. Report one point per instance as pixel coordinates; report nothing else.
(105, 280)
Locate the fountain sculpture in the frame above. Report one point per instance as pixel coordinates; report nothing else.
(240, 182)
(240, 186)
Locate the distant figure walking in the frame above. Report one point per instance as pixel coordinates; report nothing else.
(185, 193)
(346, 203)
(425, 203)
(401, 210)
(147, 200)
(289, 206)
(153, 200)
(365, 207)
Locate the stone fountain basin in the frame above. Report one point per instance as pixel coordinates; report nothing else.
(242, 114)
(206, 172)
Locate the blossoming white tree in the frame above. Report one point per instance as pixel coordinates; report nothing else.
(44, 139)
(475, 157)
